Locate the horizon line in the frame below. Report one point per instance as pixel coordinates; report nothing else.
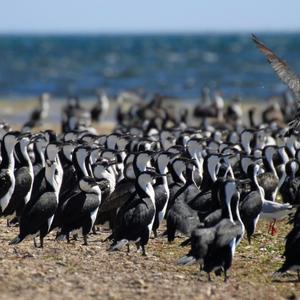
(150, 32)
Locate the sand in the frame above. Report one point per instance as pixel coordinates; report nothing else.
(74, 271)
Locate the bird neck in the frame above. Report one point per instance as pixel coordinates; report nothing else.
(270, 167)
(212, 165)
(145, 190)
(7, 153)
(81, 166)
(178, 177)
(39, 154)
(24, 157)
(280, 183)
(260, 189)
(235, 208)
(245, 140)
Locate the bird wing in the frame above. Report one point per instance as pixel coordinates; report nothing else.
(23, 182)
(184, 218)
(251, 205)
(283, 71)
(270, 207)
(213, 218)
(5, 183)
(133, 217)
(120, 195)
(201, 240)
(226, 232)
(142, 216)
(74, 208)
(36, 214)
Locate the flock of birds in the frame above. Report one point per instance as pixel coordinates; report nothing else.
(211, 182)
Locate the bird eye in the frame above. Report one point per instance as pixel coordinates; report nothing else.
(56, 172)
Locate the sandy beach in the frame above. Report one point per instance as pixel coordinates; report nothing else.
(17, 111)
(130, 125)
(73, 271)
(70, 271)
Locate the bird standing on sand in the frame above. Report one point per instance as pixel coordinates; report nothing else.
(7, 177)
(80, 211)
(135, 219)
(101, 107)
(39, 114)
(39, 212)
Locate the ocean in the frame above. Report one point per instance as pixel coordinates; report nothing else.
(174, 65)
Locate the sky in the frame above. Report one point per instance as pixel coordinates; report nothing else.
(142, 16)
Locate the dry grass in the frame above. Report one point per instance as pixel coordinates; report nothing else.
(73, 271)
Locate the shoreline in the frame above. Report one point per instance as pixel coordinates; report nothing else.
(17, 112)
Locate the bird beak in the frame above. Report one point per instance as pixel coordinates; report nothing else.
(23, 135)
(112, 162)
(48, 162)
(36, 136)
(157, 175)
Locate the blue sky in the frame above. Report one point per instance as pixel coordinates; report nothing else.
(96, 16)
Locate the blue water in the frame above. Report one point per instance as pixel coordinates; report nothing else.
(175, 65)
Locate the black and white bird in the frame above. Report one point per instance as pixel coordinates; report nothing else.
(214, 247)
(24, 177)
(251, 202)
(136, 217)
(7, 177)
(181, 217)
(38, 213)
(161, 188)
(134, 164)
(39, 114)
(101, 107)
(80, 211)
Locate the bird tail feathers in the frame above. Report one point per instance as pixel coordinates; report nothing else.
(16, 240)
(185, 243)
(118, 245)
(186, 260)
(280, 271)
(61, 237)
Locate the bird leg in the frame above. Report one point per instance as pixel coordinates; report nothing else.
(34, 243)
(201, 267)
(41, 242)
(269, 227)
(249, 239)
(128, 248)
(155, 233)
(225, 276)
(68, 238)
(95, 229)
(209, 277)
(85, 243)
(273, 229)
(138, 246)
(143, 250)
